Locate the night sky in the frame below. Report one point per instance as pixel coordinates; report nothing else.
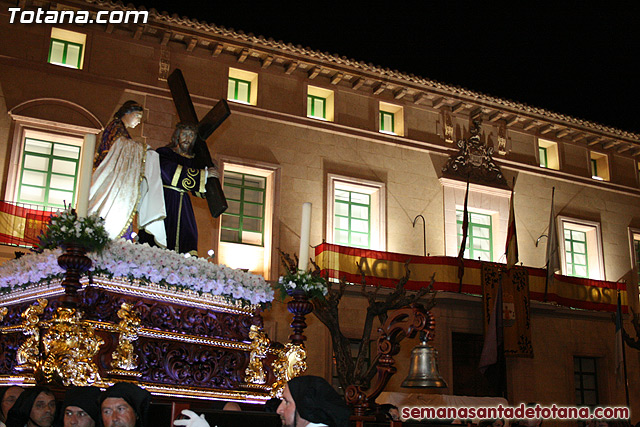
(568, 58)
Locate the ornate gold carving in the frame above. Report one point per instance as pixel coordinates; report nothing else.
(254, 374)
(69, 347)
(27, 355)
(3, 312)
(124, 357)
(291, 363)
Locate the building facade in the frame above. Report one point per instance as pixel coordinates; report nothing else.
(367, 147)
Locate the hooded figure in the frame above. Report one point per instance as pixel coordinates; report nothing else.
(20, 413)
(8, 397)
(317, 402)
(85, 398)
(138, 398)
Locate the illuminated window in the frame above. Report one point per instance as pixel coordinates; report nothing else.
(243, 221)
(66, 48)
(391, 119)
(575, 245)
(548, 154)
(320, 103)
(543, 157)
(635, 251)
(599, 166)
(356, 213)
(586, 381)
(242, 86)
(239, 90)
(316, 107)
(247, 227)
(386, 122)
(581, 248)
(352, 221)
(48, 173)
(479, 237)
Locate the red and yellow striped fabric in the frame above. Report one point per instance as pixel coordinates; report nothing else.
(20, 226)
(385, 268)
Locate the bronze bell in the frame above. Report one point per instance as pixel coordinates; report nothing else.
(423, 367)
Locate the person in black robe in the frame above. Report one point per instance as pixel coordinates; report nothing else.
(136, 401)
(179, 178)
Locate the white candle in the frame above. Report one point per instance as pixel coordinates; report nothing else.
(86, 170)
(305, 231)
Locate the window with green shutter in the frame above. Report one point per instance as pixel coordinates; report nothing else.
(48, 174)
(66, 53)
(575, 246)
(352, 218)
(636, 248)
(316, 107)
(543, 157)
(243, 221)
(239, 90)
(479, 239)
(387, 122)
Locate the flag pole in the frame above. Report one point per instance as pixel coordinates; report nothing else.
(624, 352)
(465, 231)
(550, 240)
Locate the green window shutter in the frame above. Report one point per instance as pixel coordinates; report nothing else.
(316, 107)
(594, 167)
(636, 247)
(543, 157)
(352, 218)
(387, 121)
(239, 90)
(479, 238)
(49, 172)
(243, 221)
(62, 52)
(575, 246)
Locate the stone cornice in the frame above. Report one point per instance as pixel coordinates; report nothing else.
(297, 55)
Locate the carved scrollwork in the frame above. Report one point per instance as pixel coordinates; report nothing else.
(190, 365)
(69, 347)
(291, 362)
(102, 306)
(254, 374)
(27, 355)
(124, 357)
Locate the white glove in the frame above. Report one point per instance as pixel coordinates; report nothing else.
(193, 421)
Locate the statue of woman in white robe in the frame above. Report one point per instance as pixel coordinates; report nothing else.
(121, 168)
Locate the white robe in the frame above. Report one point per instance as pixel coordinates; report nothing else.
(116, 189)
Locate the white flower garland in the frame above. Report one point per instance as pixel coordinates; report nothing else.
(161, 266)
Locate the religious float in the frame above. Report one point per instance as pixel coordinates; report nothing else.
(180, 326)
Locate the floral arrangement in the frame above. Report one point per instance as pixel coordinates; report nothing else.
(65, 227)
(314, 285)
(147, 265)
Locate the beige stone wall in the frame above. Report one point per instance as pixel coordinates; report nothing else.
(276, 132)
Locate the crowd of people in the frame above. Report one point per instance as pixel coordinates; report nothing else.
(307, 401)
(122, 405)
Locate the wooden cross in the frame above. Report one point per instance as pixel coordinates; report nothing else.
(209, 123)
